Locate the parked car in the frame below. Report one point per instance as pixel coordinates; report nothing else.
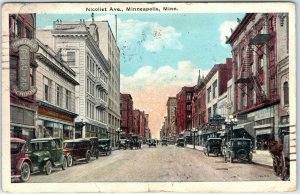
(134, 142)
(213, 146)
(180, 142)
(21, 165)
(94, 146)
(152, 142)
(164, 142)
(123, 144)
(104, 146)
(76, 150)
(239, 149)
(46, 153)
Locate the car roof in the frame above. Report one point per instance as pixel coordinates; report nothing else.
(232, 139)
(15, 139)
(76, 140)
(103, 139)
(44, 139)
(216, 138)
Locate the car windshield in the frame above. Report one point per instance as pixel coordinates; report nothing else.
(37, 146)
(16, 147)
(70, 145)
(103, 142)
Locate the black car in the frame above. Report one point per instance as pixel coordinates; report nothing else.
(164, 142)
(123, 144)
(104, 146)
(152, 142)
(180, 142)
(238, 149)
(213, 146)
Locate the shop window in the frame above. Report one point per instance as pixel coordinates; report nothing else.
(286, 93)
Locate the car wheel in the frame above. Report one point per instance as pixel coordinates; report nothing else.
(69, 161)
(97, 155)
(48, 167)
(64, 164)
(242, 154)
(208, 154)
(88, 157)
(25, 172)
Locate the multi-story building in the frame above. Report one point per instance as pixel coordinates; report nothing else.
(55, 96)
(78, 44)
(22, 77)
(199, 104)
(184, 110)
(126, 105)
(171, 116)
(108, 46)
(260, 49)
(137, 121)
(147, 129)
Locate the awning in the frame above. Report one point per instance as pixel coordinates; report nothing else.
(263, 126)
(247, 126)
(263, 131)
(284, 125)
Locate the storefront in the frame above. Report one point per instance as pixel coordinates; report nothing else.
(22, 123)
(54, 122)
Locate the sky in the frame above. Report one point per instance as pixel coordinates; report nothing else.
(160, 53)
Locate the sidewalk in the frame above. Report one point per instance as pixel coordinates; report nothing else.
(260, 157)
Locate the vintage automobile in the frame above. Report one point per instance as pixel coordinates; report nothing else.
(238, 148)
(213, 146)
(164, 142)
(46, 153)
(76, 150)
(21, 165)
(94, 146)
(180, 142)
(123, 144)
(104, 146)
(152, 142)
(134, 142)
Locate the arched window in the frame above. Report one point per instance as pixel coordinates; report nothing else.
(286, 93)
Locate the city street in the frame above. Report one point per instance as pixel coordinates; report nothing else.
(163, 163)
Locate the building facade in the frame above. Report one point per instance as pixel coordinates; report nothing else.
(256, 43)
(126, 105)
(171, 116)
(22, 67)
(184, 110)
(55, 97)
(111, 52)
(78, 44)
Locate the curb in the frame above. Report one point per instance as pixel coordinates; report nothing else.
(255, 163)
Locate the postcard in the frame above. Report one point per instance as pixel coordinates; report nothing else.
(148, 97)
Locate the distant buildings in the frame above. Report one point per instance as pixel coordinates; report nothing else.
(134, 121)
(171, 116)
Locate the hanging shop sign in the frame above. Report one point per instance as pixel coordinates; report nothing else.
(25, 47)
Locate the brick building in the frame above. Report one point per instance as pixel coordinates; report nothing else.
(22, 67)
(184, 110)
(260, 49)
(139, 123)
(171, 116)
(126, 105)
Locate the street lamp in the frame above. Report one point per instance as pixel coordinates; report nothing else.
(230, 122)
(194, 132)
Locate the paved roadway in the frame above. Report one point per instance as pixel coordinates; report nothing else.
(167, 163)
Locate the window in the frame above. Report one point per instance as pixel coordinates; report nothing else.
(208, 94)
(28, 33)
(189, 107)
(71, 58)
(215, 109)
(214, 89)
(189, 96)
(209, 112)
(58, 95)
(68, 99)
(47, 89)
(18, 29)
(286, 93)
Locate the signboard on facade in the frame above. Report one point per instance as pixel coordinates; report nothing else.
(216, 120)
(262, 113)
(25, 47)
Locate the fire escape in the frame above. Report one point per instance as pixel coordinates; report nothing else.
(247, 79)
